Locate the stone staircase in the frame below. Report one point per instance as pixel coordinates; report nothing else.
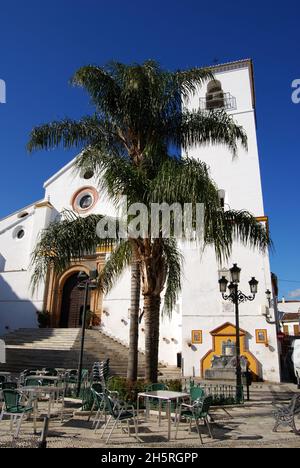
(56, 347)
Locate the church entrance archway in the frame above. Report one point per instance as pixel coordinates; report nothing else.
(72, 304)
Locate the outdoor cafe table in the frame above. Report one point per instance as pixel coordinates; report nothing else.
(34, 392)
(162, 395)
(50, 378)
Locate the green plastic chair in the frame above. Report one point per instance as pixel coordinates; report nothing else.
(15, 409)
(156, 387)
(118, 413)
(32, 382)
(97, 396)
(198, 410)
(197, 393)
(9, 386)
(51, 372)
(48, 383)
(153, 402)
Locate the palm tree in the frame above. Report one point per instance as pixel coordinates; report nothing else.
(139, 114)
(186, 181)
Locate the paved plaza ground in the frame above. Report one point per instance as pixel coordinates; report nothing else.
(247, 426)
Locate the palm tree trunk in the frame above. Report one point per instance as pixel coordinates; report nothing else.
(152, 316)
(132, 369)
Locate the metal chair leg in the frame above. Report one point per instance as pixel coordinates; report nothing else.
(128, 427)
(19, 426)
(112, 430)
(178, 422)
(209, 428)
(198, 430)
(135, 421)
(190, 426)
(96, 418)
(105, 427)
(97, 422)
(91, 412)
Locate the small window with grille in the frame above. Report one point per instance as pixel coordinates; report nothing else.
(214, 95)
(216, 98)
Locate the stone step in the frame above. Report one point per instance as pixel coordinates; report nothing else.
(39, 348)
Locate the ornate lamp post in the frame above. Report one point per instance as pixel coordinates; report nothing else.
(236, 297)
(86, 283)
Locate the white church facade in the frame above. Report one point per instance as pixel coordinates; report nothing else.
(202, 324)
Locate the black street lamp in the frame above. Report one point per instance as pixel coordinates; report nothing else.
(86, 283)
(269, 296)
(236, 296)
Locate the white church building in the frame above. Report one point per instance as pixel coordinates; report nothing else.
(202, 327)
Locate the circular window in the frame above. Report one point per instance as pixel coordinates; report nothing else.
(19, 233)
(85, 199)
(89, 174)
(86, 202)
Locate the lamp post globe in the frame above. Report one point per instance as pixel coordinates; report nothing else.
(268, 294)
(253, 283)
(235, 273)
(223, 282)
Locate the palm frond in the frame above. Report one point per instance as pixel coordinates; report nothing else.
(120, 258)
(173, 261)
(223, 228)
(189, 81)
(67, 239)
(203, 128)
(188, 181)
(68, 133)
(184, 181)
(101, 86)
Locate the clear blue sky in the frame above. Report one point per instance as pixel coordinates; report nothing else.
(42, 43)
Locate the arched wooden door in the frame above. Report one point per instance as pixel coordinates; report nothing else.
(72, 304)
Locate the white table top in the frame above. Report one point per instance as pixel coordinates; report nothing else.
(39, 389)
(43, 377)
(5, 373)
(164, 395)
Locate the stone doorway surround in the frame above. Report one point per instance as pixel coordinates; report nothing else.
(55, 287)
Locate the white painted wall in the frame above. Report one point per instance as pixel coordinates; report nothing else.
(17, 306)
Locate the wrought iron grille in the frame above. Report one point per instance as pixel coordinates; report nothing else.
(222, 394)
(226, 101)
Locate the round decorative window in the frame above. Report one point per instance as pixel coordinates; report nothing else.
(86, 202)
(89, 174)
(85, 199)
(19, 233)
